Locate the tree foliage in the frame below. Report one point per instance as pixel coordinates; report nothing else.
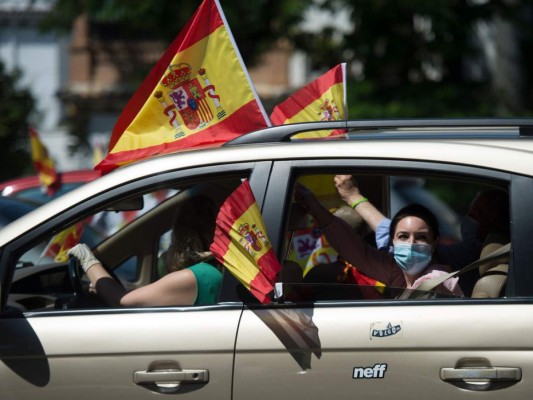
(16, 106)
(416, 57)
(408, 58)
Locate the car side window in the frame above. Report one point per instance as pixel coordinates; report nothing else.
(471, 217)
(129, 238)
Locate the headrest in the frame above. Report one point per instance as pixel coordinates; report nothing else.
(350, 216)
(492, 243)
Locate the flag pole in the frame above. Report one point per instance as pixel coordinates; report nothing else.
(345, 102)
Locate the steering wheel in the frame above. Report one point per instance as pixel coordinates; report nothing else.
(75, 272)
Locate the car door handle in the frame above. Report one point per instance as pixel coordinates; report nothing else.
(493, 374)
(170, 381)
(481, 378)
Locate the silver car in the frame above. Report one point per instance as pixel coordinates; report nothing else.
(314, 340)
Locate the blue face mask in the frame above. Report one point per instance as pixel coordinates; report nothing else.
(412, 258)
(469, 229)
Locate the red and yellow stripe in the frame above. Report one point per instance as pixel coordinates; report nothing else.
(242, 246)
(42, 162)
(62, 242)
(321, 100)
(147, 125)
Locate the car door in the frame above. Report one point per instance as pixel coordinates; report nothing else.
(50, 350)
(334, 346)
(130, 354)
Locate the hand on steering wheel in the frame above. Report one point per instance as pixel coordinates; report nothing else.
(81, 258)
(75, 273)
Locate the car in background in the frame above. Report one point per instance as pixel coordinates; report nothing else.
(30, 188)
(13, 208)
(313, 340)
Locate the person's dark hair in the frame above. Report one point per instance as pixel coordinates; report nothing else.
(415, 210)
(193, 232)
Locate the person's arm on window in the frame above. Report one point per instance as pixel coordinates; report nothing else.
(348, 244)
(349, 192)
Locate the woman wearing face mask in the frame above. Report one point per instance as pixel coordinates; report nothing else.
(487, 221)
(414, 232)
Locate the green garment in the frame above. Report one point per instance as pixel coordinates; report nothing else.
(208, 281)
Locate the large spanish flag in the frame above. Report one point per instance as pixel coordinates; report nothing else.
(43, 164)
(198, 94)
(324, 99)
(242, 246)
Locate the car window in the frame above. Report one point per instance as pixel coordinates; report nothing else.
(93, 230)
(309, 257)
(129, 237)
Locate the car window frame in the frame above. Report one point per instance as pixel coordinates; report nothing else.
(284, 173)
(257, 171)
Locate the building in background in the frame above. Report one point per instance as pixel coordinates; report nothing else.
(42, 58)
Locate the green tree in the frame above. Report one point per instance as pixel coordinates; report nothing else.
(255, 24)
(16, 107)
(414, 55)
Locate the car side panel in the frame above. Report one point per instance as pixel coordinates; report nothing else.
(95, 356)
(328, 351)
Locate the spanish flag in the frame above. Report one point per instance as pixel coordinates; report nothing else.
(59, 245)
(43, 164)
(98, 153)
(198, 94)
(241, 244)
(324, 99)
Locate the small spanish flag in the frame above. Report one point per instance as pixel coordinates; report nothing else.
(59, 245)
(242, 246)
(43, 164)
(324, 99)
(198, 94)
(98, 153)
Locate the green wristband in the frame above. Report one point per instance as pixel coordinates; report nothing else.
(357, 202)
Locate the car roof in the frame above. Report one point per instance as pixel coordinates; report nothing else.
(459, 150)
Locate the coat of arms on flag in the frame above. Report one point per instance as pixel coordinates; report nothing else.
(189, 97)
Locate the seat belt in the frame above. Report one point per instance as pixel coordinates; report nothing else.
(431, 284)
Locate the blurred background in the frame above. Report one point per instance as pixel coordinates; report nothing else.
(68, 67)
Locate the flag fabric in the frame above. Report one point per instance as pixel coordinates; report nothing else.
(43, 164)
(198, 94)
(98, 153)
(352, 275)
(242, 246)
(324, 99)
(59, 245)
